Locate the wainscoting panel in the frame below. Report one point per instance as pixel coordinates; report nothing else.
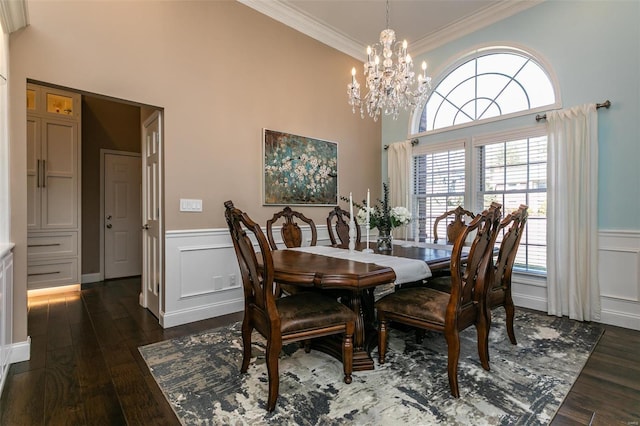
(203, 279)
(619, 276)
(202, 275)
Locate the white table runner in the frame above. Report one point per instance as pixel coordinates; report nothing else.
(406, 270)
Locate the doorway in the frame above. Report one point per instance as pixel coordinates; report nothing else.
(122, 213)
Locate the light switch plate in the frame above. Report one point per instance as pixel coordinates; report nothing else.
(190, 205)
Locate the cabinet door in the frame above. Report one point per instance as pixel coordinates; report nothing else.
(34, 173)
(60, 183)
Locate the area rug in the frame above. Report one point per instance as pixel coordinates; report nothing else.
(200, 377)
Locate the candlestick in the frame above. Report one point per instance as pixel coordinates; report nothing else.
(350, 204)
(368, 250)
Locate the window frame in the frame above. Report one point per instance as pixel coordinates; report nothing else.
(414, 120)
(426, 149)
(478, 141)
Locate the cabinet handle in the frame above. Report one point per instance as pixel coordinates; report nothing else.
(43, 245)
(38, 174)
(42, 273)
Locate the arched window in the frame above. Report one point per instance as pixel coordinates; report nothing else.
(489, 83)
(472, 168)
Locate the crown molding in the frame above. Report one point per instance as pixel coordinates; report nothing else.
(13, 15)
(306, 24)
(470, 24)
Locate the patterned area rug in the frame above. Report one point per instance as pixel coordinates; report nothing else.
(200, 377)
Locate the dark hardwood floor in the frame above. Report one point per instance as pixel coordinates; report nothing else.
(85, 368)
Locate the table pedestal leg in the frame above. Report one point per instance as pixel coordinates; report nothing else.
(361, 356)
(364, 338)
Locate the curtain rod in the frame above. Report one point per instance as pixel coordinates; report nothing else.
(605, 104)
(414, 142)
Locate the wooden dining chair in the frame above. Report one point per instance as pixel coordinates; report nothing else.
(449, 313)
(500, 291)
(455, 226)
(290, 231)
(338, 226)
(298, 317)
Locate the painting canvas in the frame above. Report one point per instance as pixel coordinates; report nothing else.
(298, 170)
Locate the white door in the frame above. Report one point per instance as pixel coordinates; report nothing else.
(152, 279)
(123, 213)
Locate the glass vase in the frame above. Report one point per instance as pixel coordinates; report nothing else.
(385, 240)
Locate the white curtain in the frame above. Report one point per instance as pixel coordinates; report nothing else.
(572, 213)
(399, 170)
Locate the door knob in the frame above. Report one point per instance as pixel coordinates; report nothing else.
(109, 225)
(109, 217)
(145, 226)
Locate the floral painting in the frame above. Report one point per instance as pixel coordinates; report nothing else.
(299, 170)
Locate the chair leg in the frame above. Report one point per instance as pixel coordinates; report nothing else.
(510, 311)
(347, 353)
(273, 352)
(453, 346)
(382, 338)
(247, 328)
(483, 325)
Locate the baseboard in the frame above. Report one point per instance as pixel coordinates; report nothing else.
(530, 302)
(20, 351)
(200, 313)
(92, 278)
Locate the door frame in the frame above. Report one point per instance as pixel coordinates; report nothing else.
(157, 114)
(103, 153)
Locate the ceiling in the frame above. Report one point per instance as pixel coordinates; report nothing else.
(351, 25)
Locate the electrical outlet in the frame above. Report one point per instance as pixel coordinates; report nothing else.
(232, 280)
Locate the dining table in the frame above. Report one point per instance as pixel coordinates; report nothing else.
(353, 277)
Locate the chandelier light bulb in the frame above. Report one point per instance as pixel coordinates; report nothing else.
(391, 82)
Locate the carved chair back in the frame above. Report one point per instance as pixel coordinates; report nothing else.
(290, 230)
(257, 282)
(338, 226)
(455, 227)
(469, 280)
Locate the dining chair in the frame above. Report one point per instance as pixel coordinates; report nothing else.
(449, 313)
(290, 230)
(455, 226)
(499, 293)
(298, 317)
(338, 226)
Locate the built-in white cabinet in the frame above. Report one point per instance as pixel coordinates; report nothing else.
(53, 187)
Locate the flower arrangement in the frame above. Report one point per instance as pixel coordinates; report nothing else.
(382, 216)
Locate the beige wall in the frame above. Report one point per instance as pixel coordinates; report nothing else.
(106, 124)
(220, 70)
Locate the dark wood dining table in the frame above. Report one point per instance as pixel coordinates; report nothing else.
(354, 281)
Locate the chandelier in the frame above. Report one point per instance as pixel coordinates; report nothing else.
(390, 84)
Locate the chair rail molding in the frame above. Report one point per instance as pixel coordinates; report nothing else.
(200, 264)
